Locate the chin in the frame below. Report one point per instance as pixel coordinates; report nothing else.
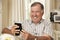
(35, 21)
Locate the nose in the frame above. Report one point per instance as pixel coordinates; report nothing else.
(35, 14)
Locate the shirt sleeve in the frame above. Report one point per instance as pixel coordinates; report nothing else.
(48, 29)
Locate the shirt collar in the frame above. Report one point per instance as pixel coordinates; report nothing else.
(38, 23)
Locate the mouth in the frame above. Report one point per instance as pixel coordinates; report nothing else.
(35, 17)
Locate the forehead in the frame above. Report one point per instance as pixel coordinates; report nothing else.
(36, 7)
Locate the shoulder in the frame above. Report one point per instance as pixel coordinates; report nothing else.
(47, 21)
(26, 22)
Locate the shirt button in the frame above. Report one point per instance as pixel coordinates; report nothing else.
(35, 33)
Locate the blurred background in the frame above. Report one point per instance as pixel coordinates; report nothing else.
(12, 11)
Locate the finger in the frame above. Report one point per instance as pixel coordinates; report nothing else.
(17, 30)
(15, 26)
(24, 31)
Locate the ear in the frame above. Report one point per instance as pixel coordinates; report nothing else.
(42, 12)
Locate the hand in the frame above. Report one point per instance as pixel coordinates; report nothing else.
(27, 36)
(13, 29)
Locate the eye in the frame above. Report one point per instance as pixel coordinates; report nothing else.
(32, 11)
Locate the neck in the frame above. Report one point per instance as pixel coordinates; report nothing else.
(37, 22)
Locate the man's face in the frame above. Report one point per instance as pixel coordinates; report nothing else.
(36, 13)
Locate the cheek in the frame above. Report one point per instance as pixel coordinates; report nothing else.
(39, 15)
(31, 15)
